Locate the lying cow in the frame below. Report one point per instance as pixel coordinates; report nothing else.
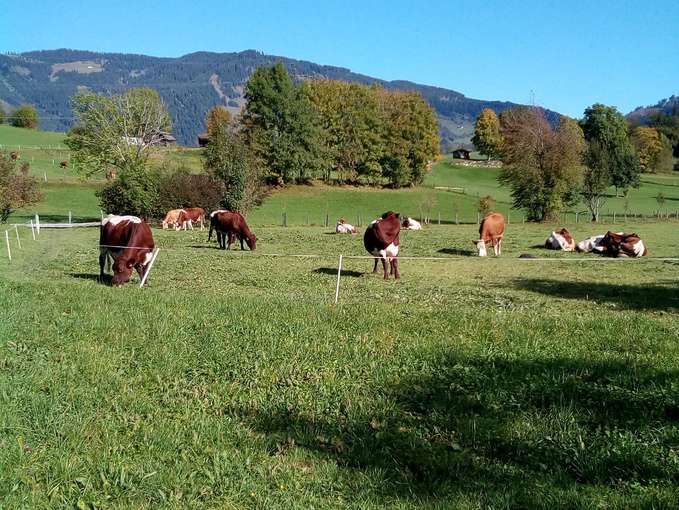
(411, 224)
(173, 219)
(624, 245)
(560, 240)
(342, 227)
(191, 215)
(128, 241)
(491, 230)
(593, 244)
(230, 225)
(381, 239)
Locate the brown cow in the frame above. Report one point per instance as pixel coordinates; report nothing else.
(491, 231)
(129, 242)
(173, 218)
(623, 245)
(231, 224)
(63, 164)
(381, 239)
(191, 215)
(560, 240)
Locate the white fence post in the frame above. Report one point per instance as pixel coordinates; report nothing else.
(37, 224)
(9, 251)
(16, 228)
(148, 269)
(339, 273)
(33, 229)
(69, 217)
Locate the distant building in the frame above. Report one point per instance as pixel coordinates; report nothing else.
(165, 138)
(203, 140)
(461, 154)
(162, 138)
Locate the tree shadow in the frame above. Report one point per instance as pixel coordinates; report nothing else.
(632, 297)
(493, 429)
(333, 271)
(458, 251)
(108, 279)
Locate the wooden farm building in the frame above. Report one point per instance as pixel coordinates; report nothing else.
(461, 154)
(203, 140)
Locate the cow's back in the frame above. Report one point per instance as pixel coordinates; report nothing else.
(492, 227)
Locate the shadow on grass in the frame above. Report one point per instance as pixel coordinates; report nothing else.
(497, 432)
(108, 279)
(333, 271)
(458, 251)
(632, 297)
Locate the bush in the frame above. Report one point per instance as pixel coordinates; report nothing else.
(134, 192)
(486, 205)
(25, 116)
(182, 189)
(16, 189)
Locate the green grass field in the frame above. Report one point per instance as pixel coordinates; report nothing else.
(232, 381)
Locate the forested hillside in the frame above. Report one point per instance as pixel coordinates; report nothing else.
(191, 84)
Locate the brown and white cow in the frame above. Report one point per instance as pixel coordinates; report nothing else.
(230, 225)
(411, 224)
(342, 227)
(191, 215)
(491, 230)
(560, 240)
(381, 239)
(173, 218)
(128, 241)
(623, 245)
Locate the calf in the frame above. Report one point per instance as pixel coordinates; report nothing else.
(342, 227)
(173, 218)
(381, 239)
(411, 224)
(191, 215)
(624, 245)
(231, 224)
(491, 230)
(560, 240)
(128, 241)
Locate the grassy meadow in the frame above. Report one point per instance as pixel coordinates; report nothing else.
(232, 381)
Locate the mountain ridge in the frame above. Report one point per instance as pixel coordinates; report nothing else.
(191, 84)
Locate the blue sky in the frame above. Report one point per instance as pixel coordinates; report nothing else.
(570, 54)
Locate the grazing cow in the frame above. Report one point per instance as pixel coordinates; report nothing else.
(128, 241)
(342, 227)
(592, 244)
(191, 215)
(229, 225)
(381, 239)
(624, 245)
(411, 224)
(173, 218)
(14, 155)
(492, 230)
(560, 240)
(63, 164)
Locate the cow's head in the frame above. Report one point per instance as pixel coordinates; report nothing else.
(251, 241)
(122, 271)
(481, 247)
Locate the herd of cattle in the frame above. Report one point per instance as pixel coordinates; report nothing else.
(127, 241)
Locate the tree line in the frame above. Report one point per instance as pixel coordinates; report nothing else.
(23, 116)
(286, 133)
(548, 167)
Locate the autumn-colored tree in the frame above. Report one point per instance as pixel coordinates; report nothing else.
(25, 116)
(217, 115)
(17, 188)
(542, 165)
(650, 144)
(487, 136)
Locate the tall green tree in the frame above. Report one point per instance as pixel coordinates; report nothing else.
(2, 115)
(25, 116)
(653, 149)
(120, 131)
(605, 130)
(217, 115)
(487, 137)
(281, 127)
(541, 165)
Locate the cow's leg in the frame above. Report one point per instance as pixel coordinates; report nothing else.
(230, 240)
(499, 247)
(102, 263)
(242, 248)
(384, 266)
(375, 267)
(394, 267)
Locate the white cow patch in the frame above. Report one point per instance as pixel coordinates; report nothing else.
(344, 228)
(558, 242)
(481, 246)
(593, 243)
(412, 224)
(217, 211)
(115, 220)
(388, 253)
(147, 258)
(639, 248)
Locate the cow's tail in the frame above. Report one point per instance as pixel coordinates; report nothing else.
(209, 235)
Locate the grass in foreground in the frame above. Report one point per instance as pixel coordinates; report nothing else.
(231, 381)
